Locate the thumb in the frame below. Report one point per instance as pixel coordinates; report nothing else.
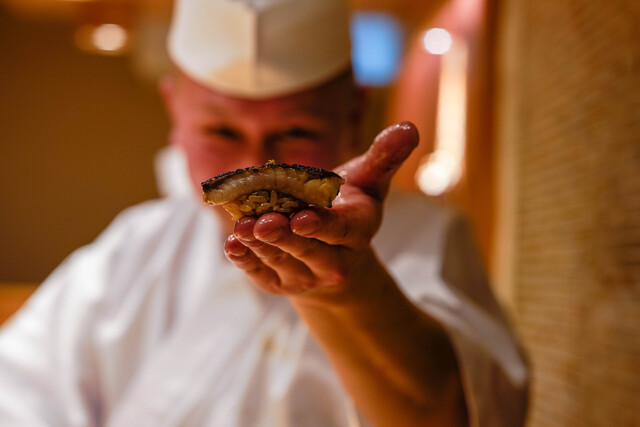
(373, 170)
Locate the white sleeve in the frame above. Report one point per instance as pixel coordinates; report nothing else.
(431, 253)
(45, 369)
(49, 356)
(493, 367)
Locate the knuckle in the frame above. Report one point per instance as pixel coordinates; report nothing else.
(277, 258)
(253, 244)
(252, 267)
(336, 275)
(266, 282)
(305, 250)
(243, 261)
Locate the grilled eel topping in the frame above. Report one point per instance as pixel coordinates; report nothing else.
(271, 188)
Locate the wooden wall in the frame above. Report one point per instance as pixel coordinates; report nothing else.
(78, 134)
(569, 127)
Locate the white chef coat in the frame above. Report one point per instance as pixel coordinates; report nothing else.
(150, 325)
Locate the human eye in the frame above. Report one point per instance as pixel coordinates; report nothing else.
(305, 145)
(300, 133)
(222, 132)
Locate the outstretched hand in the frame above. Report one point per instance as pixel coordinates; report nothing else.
(318, 248)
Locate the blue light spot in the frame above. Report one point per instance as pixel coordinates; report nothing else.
(376, 48)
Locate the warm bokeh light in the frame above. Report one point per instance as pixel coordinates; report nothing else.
(437, 41)
(434, 176)
(104, 39)
(109, 37)
(442, 169)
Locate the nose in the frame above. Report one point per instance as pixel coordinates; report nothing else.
(257, 152)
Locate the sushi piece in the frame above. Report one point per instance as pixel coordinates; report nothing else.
(271, 188)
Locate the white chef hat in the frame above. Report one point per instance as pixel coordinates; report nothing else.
(260, 48)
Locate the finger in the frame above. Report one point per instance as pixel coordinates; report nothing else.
(334, 227)
(327, 263)
(261, 275)
(373, 170)
(295, 276)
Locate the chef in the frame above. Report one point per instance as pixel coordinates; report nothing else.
(373, 312)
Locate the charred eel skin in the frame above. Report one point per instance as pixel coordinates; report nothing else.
(271, 187)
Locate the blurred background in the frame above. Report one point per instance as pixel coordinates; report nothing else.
(529, 113)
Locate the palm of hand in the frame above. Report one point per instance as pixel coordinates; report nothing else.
(318, 250)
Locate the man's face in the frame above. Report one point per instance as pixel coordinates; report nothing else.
(219, 133)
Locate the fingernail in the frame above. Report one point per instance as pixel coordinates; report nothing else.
(271, 236)
(247, 238)
(238, 251)
(306, 229)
